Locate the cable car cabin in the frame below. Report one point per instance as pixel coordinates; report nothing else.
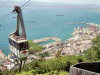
(18, 46)
(17, 41)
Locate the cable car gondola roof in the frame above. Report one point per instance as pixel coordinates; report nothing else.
(16, 39)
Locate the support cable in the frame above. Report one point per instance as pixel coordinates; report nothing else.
(4, 16)
(25, 3)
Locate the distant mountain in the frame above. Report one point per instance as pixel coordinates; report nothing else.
(10, 3)
(54, 5)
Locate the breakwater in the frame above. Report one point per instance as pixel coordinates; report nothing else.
(47, 39)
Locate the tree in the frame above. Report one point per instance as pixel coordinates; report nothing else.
(33, 47)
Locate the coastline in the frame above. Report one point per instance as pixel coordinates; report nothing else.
(82, 37)
(77, 44)
(74, 44)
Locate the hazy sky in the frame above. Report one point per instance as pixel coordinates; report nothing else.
(66, 1)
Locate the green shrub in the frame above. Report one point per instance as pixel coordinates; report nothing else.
(32, 72)
(7, 72)
(45, 54)
(81, 58)
(33, 47)
(93, 54)
(31, 65)
(60, 63)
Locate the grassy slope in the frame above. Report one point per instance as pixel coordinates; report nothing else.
(30, 73)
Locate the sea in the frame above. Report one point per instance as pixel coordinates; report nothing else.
(43, 22)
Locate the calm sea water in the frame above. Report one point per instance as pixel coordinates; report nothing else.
(43, 22)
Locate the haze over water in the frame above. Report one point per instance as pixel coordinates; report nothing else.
(44, 22)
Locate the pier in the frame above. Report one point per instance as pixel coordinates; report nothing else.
(47, 39)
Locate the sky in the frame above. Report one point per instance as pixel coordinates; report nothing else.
(97, 2)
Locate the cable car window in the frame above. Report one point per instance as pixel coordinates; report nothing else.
(13, 43)
(23, 46)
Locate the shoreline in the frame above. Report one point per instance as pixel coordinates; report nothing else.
(46, 39)
(77, 44)
(53, 47)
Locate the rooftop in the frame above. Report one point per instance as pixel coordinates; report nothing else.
(18, 39)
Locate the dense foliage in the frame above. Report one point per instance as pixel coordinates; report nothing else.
(59, 65)
(93, 54)
(33, 47)
(32, 72)
(42, 67)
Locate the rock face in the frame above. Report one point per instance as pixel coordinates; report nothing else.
(85, 69)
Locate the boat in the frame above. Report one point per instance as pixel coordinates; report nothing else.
(14, 17)
(59, 15)
(31, 21)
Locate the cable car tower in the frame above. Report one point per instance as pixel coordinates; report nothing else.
(17, 40)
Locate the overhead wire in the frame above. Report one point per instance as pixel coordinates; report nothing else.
(25, 3)
(28, 4)
(4, 16)
(22, 6)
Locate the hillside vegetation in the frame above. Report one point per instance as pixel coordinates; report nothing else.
(33, 47)
(93, 54)
(59, 65)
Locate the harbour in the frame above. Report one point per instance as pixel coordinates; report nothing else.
(50, 27)
(80, 41)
